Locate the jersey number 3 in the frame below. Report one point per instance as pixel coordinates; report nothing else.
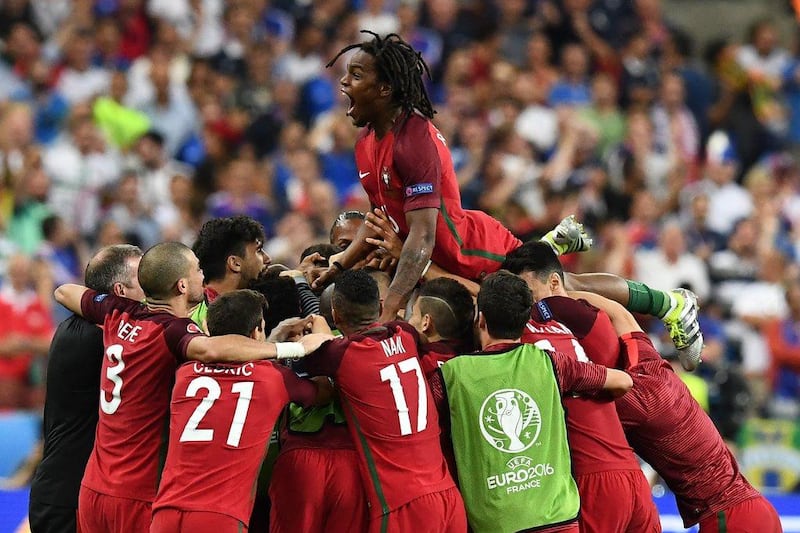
(389, 373)
(191, 433)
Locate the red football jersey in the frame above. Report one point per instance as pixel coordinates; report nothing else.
(390, 413)
(670, 431)
(221, 419)
(143, 350)
(411, 168)
(597, 441)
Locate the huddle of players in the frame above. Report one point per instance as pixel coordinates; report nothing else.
(409, 422)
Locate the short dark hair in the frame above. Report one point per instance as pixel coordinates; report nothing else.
(109, 266)
(450, 305)
(536, 257)
(282, 298)
(161, 267)
(343, 217)
(355, 298)
(236, 312)
(506, 302)
(220, 238)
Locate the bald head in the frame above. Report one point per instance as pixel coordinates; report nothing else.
(161, 268)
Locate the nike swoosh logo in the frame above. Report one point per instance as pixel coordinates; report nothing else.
(362, 175)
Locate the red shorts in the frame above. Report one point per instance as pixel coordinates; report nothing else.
(177, 521)
(476, 248)
(102, 513)
(317, 490)
(617, 502)
(438, 512)
(755, 515)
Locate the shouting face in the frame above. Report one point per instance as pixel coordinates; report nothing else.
(368, 95)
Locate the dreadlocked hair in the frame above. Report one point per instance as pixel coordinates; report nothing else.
(399, 65)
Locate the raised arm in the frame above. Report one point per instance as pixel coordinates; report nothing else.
(69, 295)
(415, 256)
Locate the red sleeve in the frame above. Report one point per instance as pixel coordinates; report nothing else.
(419, 167)
(300, 390)
(590, 325)
(96, 305)
(177, 334)
(574, 376)
(578, 315)
(326, 360)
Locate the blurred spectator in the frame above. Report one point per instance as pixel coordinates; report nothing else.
(80, 166)
(155, 169)
(30, 205)
(732, 108)
(604, 114)
(16, 140)
(180, 219)
(108, 41)
(728, 201)
(671, 264)
(699, 237)
(755, 304)
(639, 80)
(120, 124)
(572, 88)
(235, 196)
(79, 80)
(49, 105)
(783, 340)
(737, 264)
(132, 216)
(677, 57)
(673, 123)
(377, 16)
(25, 332)
(169, 108)
(764, 61)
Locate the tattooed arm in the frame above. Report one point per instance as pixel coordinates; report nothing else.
(415, 255)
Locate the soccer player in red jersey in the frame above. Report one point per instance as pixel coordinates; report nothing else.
(668, 429)
(406, 169)
(615, 495)
(389, 412)
(144, 343)
(221, 419)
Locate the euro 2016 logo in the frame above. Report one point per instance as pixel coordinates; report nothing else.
(510, 420)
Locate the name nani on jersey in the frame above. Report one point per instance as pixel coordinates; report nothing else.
(393, 346)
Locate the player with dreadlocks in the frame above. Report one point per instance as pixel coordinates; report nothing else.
(406, 169)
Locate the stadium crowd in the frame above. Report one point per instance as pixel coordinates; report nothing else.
(133, 121)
